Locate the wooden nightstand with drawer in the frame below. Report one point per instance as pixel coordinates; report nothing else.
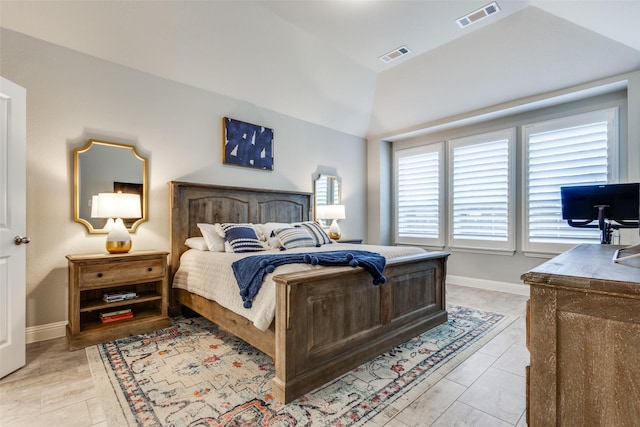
(142, 275)
(346, 240)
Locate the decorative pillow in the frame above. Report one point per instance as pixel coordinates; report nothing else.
(274, 242)
(214, 242)
(268, 231)
(295, 238)
(256, 227)
(269, 227)
(316, 231)
(198, 243)
(242, 238)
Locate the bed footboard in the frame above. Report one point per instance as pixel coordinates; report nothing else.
(332, 320)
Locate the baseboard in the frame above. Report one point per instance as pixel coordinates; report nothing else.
(46, 332)
(58, 329)
(490, 285)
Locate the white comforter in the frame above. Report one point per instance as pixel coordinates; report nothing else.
(209, 275)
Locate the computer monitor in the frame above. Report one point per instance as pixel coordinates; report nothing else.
(613, 206)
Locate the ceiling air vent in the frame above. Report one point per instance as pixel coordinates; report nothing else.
(394, 54)
(477, 15)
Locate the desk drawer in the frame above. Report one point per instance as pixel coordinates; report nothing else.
(98, 275)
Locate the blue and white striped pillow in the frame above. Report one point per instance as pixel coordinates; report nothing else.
(242, 238)
(295, 238)
(316, 231)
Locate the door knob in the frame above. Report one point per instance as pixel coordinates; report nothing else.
(18, 240)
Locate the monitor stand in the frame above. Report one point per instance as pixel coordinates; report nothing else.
(606, 228)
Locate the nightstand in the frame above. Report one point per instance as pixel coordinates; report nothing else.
(355, 241)
(143, 273)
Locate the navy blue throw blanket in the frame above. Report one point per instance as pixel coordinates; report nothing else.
(251, 270)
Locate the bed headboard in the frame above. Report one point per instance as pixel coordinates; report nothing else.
(192, 203)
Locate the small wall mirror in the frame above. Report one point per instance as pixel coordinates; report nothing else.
(327, 191)
(107, 167)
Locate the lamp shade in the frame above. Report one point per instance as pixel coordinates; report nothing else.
(117, 205)
(334, 212)
(94, 206)
(320, 212)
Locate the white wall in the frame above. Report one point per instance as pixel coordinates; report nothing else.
(73, 97)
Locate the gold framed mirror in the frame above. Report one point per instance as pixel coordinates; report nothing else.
(326, 191)
(107, 167)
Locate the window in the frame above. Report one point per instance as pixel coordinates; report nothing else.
(419, 199)
(467, 199)
(482, 196)
(321, 190)
(573, 150)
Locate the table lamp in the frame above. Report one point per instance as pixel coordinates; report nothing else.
(114, 207)
(334, 213)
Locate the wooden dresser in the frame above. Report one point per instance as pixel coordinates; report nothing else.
(583, 336)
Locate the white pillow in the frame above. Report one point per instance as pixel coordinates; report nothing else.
(214, 242)
(268, 229)
(198, 243)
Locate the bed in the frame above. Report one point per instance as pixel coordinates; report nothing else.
(327, 320)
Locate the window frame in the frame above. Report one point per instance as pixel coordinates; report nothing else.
(508, 246)
(611, 115)
(438, 147)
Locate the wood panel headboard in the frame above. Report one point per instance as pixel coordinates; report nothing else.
(193, 203)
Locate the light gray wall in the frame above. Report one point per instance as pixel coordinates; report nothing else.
(73, 97)
(379, 181)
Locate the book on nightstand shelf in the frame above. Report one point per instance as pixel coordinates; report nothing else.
(119, 296)
(112, 316)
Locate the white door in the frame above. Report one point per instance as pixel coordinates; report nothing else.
(13, 188)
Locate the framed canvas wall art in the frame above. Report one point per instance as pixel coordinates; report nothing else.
(246, 144)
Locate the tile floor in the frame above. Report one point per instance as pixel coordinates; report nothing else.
(55, 388)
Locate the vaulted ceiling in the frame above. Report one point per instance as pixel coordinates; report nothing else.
(317, 60)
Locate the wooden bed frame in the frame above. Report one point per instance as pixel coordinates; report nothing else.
(327, 321)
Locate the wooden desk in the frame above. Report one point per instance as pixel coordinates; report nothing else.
(583, 336)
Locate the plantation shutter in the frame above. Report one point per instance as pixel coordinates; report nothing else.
(570, 151)
(418, 196)
(321, 190)
(482, 199)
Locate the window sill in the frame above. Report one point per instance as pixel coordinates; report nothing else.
(486, 251)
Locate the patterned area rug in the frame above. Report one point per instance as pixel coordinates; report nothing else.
(193, 374)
